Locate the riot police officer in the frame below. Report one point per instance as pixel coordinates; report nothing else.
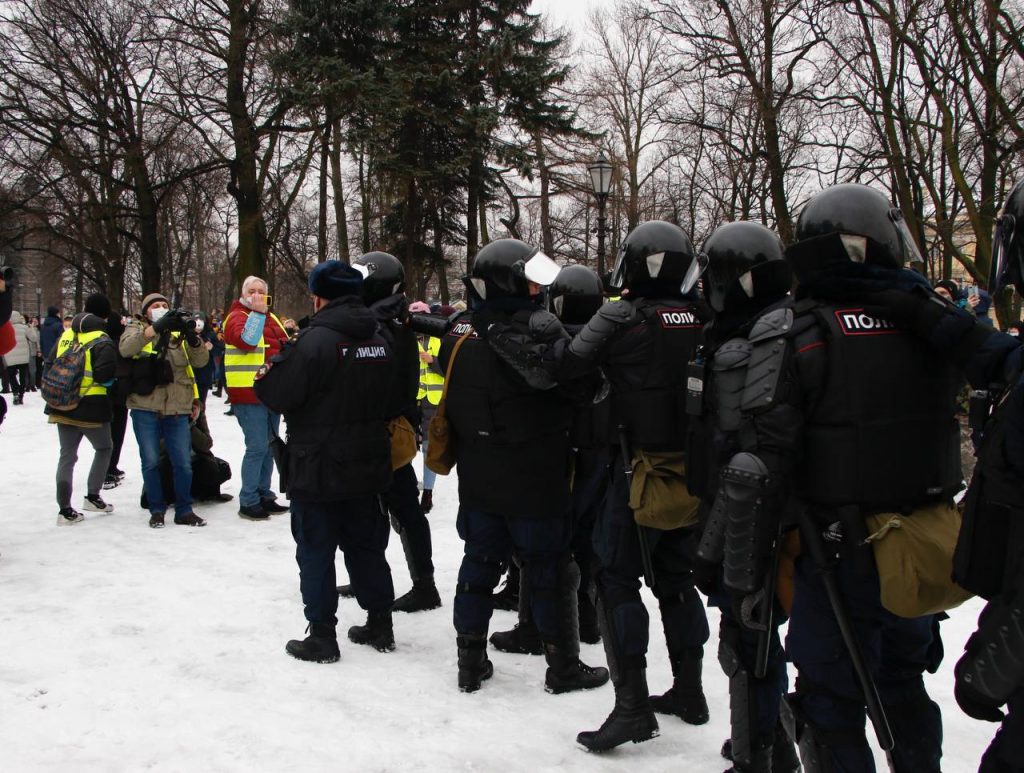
(383, 292)
(747, 285)
(641, 343)
(854, 422)
(989, 555)
(327, 383)
(574, 297)
(512, 455)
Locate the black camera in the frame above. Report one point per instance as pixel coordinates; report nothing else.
(7, 274)
(186, 319)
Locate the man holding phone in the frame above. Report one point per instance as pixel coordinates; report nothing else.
(252, 335)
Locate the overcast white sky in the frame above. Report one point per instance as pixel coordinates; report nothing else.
(572, 13)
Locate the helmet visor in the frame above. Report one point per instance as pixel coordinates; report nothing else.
(618, 279)
(911, 254)
(1002, 271)
(540, 269)
(694, 272)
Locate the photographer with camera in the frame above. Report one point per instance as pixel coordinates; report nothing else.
(162, 397)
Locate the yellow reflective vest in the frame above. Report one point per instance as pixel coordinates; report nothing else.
(240, 366)
(431, 382)
(67, 338)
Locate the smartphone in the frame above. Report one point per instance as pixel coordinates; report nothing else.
(972, 290)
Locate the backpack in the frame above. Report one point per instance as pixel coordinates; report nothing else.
(63, 379)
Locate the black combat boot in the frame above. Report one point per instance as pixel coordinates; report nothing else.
(631, 718)
(377, 633)
(474, 667)
(321, 646)
(523, 639)
(566, 672)
(784, 758)
(422, 596)
(761, 761)
(685, 699)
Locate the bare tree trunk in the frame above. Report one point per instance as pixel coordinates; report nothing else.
(321, 229)
(340, 215)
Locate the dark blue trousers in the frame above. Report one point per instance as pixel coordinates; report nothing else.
(619, 569)
(403, 502)
(738, 643)
(897, 650)
(359, 528)
(542, 545)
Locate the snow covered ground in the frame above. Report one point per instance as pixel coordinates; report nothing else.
(127, 648)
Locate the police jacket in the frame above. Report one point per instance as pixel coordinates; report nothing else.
(328, 383)
(642, 346)
(848, 409)
(512, 439)
(101, 364)
(401, 396)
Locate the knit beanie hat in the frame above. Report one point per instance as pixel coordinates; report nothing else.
(151, 299)
(333, 279)
(98, 304)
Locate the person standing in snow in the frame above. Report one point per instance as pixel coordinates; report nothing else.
(162, 399)
(252, 335)
(327, 383)
(91, 417)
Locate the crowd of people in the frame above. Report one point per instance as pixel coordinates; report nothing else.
(770, 428)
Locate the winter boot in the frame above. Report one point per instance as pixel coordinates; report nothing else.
(685, 699)
(474, 667)
(761, 761)
(566, 672)
(156, 521)
(631, 718)
(189, 519)
(345, 592)
(426, 501)
(422, 596)
(321, 646)
(590, 631)
(523, 639)
(377, 633)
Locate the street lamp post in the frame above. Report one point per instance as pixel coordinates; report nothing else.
(39, 303)
(601, 180)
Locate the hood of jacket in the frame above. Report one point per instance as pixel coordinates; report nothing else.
(88, 323)
(346, 315)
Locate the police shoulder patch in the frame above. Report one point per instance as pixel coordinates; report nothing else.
(674, 319)
(855, 322)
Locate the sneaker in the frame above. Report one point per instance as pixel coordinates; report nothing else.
(119, 474)
(111, 481)
(68, 516)
(95, 503)
(189, 519)
(253, 512)
(272, 507)
(156, 521)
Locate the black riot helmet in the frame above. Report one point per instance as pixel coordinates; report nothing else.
(504, 269)
(383, 275)
(745, 262)
(851, 222)
(576, 295)
(1008, 244)
(657, 257)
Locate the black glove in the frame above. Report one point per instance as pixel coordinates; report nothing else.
(192, 337)
(167, 323)
(971, 702)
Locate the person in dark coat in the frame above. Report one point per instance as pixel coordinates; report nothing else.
(50, 329)
(327, 383)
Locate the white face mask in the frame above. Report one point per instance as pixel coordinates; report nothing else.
(155, 314)
(199, 326)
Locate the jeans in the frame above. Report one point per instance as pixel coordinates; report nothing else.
(259, 424)
(150, 427)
